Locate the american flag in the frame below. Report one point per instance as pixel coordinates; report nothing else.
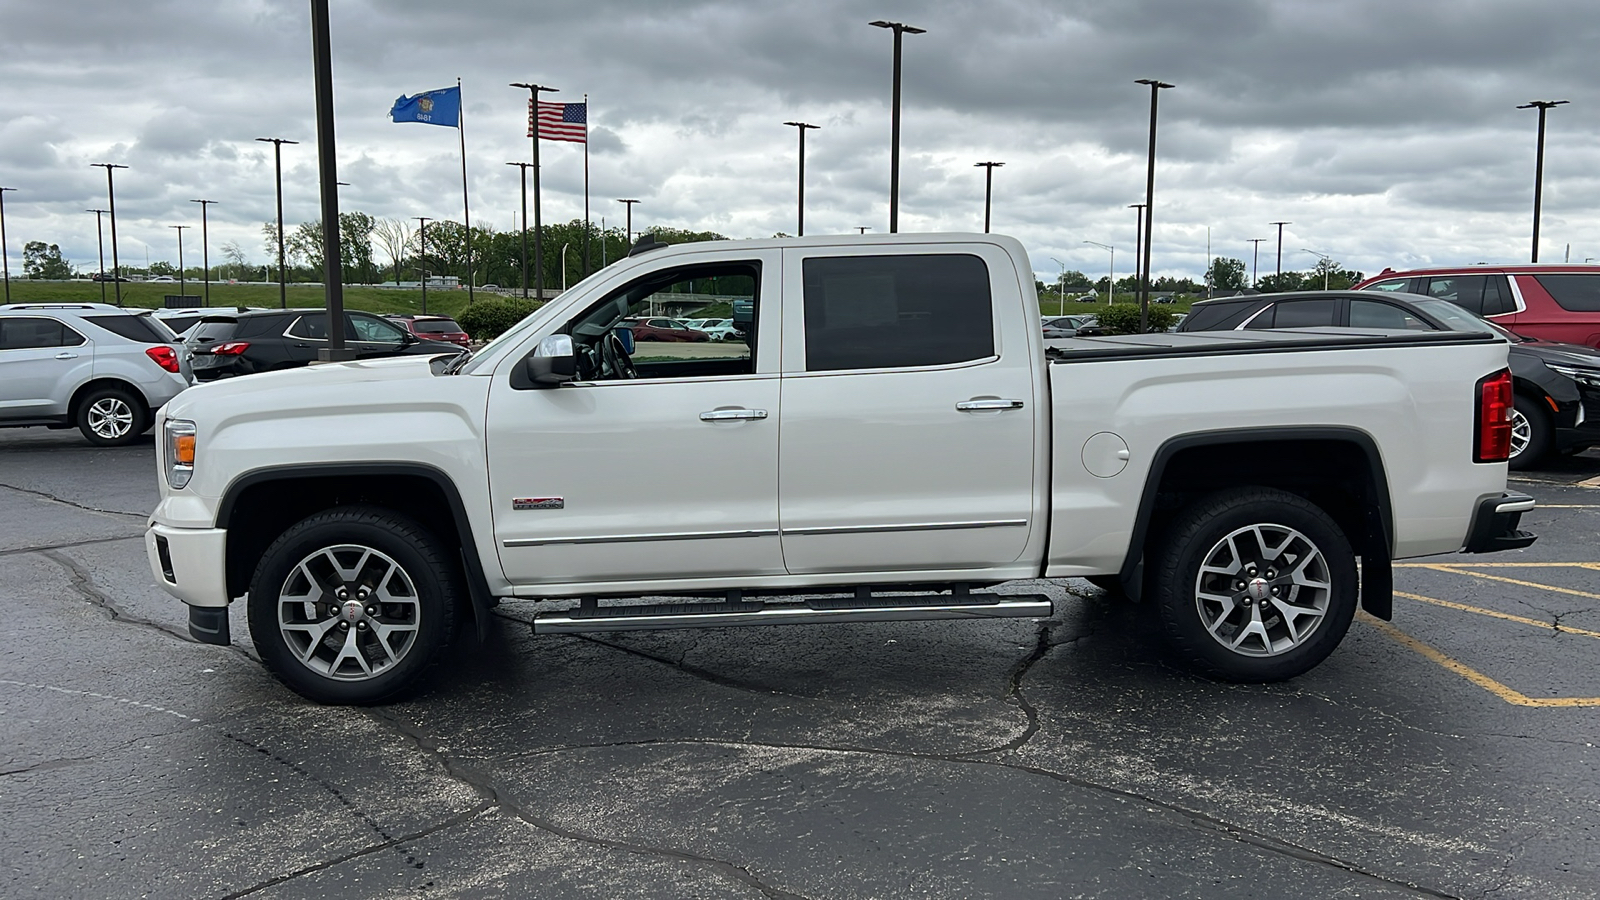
(561, 121)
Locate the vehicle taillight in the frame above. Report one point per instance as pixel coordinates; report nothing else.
(230, 348)
(1495, 401)
(164, 356)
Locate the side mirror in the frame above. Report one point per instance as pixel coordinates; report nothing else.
(626, 336)
(553, 361)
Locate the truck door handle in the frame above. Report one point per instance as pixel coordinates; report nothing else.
(974, 405)
(721, 415)
(66, 356)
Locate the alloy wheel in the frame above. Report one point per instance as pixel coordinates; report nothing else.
(111, 418)
(349, 612)
(1521, 432)
(1263, 590)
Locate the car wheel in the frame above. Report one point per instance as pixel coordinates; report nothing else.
(1531, 432)
(353, 605)
(112, 417)
(1255, 584)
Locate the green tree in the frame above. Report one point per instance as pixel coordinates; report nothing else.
(1227, 274)
(1286, 281)
(1327, 272)
(41, 260)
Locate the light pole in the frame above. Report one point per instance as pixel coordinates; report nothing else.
(564, 267)
(180, 255)
(899, 28)
(629, 231)
(1542, 106)
(1149, 205)
(534, 90)
(277, 159)
(1111, 277)
(205, 246)
(988, 188)
(1327, 263)
(802, 127)
(111, 201)
(100, 241)
(1138, 228)
(1280, 243)
(422, 256)
(1061, 287)
(862, 229)
(524, 167)
(1255, 261)
(5, 259)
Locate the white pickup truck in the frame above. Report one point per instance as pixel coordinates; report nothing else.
(892, 434)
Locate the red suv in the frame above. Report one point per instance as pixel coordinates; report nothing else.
(431, 328)
(1549, 302)
(663, 329)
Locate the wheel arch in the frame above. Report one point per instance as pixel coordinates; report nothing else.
(258, 505)
(1297, 459)
(104, 381)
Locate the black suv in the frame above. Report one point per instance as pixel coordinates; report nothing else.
(269, 340)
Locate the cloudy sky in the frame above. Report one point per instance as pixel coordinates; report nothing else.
(1386, 131)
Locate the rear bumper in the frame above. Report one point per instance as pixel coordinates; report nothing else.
(1494, 524)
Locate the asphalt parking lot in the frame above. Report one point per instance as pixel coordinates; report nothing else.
(1448, 754)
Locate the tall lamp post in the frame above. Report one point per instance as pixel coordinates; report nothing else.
(111, 201)
(1542, 106)
(277, 160)
(5, 258)
(524, 166)
(1327, 263)
(1280, 243)
(205, 246)
(1255, 260)
(1061, 287)
(100, 241)
(1138, 228)
(800, 219)
(1149, 205)
(534, 90)
(1111, 277)
(899, 28)
(862, 229)
(422, 254)
(180, 254)
(629, 232)
(988, 188)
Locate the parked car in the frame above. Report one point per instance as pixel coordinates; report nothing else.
(246, 343)
(1056, 327)
(93, 365)
(657, 328)
(1557, 302)
(722, 330)
(1556, 385)
(165, 279)
(432, 328)
(181, 321)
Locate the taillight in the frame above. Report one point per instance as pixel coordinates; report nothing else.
(230, 348)
(1495, 401)
(164, 356)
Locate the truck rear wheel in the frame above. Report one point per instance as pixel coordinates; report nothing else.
(1255, 584)
(353, 605)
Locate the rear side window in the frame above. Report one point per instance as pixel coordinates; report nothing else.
(213, 331)
(1398, 284)
(1297, 314)
(1497, 297)
(1221, 317)
(134, 328)
(30, 333)
(436, 326)
(1574, 293)
(313, 327)
(1465, 291)
(870, 312)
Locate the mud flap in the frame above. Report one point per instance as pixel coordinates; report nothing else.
(481, 604)
(1377, 585)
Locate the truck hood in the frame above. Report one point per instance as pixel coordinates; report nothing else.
(317, 378)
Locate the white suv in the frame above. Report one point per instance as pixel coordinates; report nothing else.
(96, 366)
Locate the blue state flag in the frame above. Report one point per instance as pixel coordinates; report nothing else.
(440, 107)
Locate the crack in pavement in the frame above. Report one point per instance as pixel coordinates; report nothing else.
(1191, 818)
(696, 671)
(46, 495)
(496, 797)
(69, 544)
(47, 765)
(84, 584)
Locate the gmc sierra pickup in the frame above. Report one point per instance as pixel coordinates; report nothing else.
(890, 434)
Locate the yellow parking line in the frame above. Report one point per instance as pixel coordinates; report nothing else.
(1567, 506)
(1508, 694)
(1532, 584)
(1499, 615)
(1500, 565)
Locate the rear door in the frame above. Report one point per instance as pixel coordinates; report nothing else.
(908, 435)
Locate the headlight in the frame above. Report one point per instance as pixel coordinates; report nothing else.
(180, 435)
(1587, 377)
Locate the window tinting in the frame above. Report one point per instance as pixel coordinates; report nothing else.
(1373, 314)
(1574, 293)
(1497, 297)
(869, 312)
(436, 326)
(1217, 317)
(134, 328)
(1398, 284)
(1305, 313)
(312, 327)
(1465, 291)
(27, 333)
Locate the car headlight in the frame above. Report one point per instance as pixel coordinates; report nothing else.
(1586, 377)
(180, 436)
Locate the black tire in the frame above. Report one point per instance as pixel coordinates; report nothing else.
(112, 416)
(321, 555)
(1285, 644)
(1540, 436)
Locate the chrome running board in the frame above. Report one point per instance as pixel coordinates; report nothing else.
(833, 611)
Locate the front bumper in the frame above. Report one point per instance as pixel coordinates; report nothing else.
(1494, 524)
(190, 563)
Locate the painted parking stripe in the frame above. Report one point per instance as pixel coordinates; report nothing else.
(1499, 689)
(1516, 581)
(1451, 604)
(1501, 565)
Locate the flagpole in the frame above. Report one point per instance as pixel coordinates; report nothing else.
(586, 227)
(466, 207)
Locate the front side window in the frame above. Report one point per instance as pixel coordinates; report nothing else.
(1574, 293)
(30, 333)
(873, 312)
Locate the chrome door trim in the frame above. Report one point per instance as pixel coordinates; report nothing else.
(635, 538)
(916, 526)
(994, 403)
(717, 415)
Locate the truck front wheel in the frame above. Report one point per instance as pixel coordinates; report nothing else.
(1255, 584)
(352, 605)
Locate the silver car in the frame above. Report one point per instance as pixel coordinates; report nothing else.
(99, 367)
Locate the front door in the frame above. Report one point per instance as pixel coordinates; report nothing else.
(908, 439)
(660, 462)
(39, 357)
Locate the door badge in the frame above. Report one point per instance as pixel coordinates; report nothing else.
(538, 503)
